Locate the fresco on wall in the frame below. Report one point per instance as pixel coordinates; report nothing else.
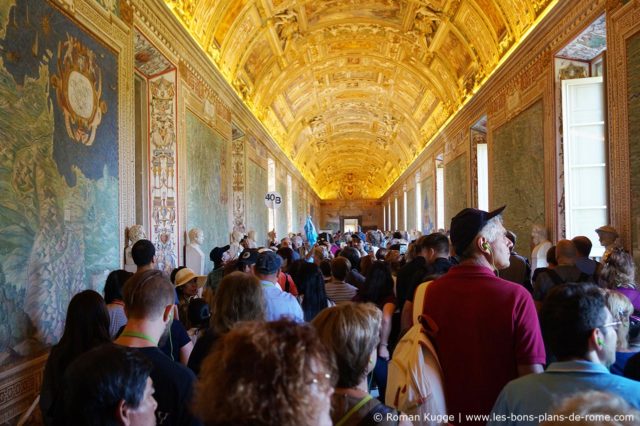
(58, 172)
(402, 226)
(518, 173)
(294, 206)
(411, 210)
(428, 206)
(455, 187)
(257, 213)
(206, 209)
(163, 177)
(281, 213)
(633, 90)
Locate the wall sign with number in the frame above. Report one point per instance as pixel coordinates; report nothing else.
(273, 200)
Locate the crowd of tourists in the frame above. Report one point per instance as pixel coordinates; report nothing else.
(356, 329)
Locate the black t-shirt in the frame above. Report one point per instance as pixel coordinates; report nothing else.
(407, 277)
(202, 348)
(439, 267)
(178, 337)
(173, 384)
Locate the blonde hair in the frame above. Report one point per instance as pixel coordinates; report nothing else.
(239, 298)
(621, 309)
(619, 270)
(603, 406)
(352, 332)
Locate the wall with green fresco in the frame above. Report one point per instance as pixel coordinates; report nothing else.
(206, 208)
(633, 90)
(455, 187)
(517, 179)
(256, 211)
(281, 213)
(428, 205)
(411, 209)
(59, 231)
(401, 223)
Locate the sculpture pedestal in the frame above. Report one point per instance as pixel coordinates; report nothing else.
(194, 259)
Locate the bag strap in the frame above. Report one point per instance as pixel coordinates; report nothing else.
(557, 280)
(354, 409)
(287, 285)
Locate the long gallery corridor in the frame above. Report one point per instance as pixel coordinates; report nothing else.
(208, 126)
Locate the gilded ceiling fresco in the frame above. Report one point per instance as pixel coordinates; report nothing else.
(353, 90)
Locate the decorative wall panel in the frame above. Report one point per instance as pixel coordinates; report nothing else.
(455, 187)
(428, 206)
(402, 226)
(238, 165)
(59, 172)
(411, 210)
(257, 213)
(281, 213)
(206, 201)
(162, 165)
(633, 94)
(517, 165)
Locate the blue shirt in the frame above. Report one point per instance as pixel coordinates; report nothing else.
(280, 304)
(534, 395)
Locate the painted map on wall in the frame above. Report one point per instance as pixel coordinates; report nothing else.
(257, 212)
(518, 173)
(428, 206)
(206, 207)
(58, 172)
(633, 90)
(455, 187)
(411, 209)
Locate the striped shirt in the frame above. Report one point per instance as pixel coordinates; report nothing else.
(340, 292)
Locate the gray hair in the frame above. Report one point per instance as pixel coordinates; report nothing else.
(493, 229)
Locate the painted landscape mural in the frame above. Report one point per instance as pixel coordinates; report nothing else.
(518, 173)
(206, 201)
(428, 206)
(58, 172)
(455, 188)
(633, 93)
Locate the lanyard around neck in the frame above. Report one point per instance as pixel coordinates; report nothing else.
(139, 335)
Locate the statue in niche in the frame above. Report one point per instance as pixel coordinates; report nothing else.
(251, 239)
(235, 248)
(287, 27)
(426, 22)
(541, 245)
(132, 236)
(194, 256)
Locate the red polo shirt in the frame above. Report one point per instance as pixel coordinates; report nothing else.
(486, 327)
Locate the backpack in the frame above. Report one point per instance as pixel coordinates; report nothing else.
(414, 381)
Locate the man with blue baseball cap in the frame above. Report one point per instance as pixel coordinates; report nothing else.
(279, 303)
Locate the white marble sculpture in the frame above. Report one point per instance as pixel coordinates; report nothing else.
(540, 245)
(135, 233)
(235, 248)
(194, 257)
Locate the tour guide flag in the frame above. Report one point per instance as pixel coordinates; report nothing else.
(310, 231)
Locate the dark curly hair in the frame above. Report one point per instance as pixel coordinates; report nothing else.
(263, 374)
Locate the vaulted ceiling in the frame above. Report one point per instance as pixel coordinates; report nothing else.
(353, 90)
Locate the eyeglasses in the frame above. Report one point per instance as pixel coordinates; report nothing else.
(319, 376)
(612, 324)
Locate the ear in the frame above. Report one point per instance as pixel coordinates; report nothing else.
(122, 413)
(596, 339)
(168, 313)
(483, 245)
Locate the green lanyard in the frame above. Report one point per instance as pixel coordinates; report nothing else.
(354, 409)
(139, 336)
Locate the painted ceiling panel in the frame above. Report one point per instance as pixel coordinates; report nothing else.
(335, 80)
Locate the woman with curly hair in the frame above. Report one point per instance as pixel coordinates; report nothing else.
(239, 298)
(619, 273)
(262, 374)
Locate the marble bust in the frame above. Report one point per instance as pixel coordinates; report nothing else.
(541, 245)
(235, 248)
(194, 256)
(134, 234)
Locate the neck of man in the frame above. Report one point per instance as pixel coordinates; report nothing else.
(146, 267)
(478, 260)
(141, 333)
(272, 278)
